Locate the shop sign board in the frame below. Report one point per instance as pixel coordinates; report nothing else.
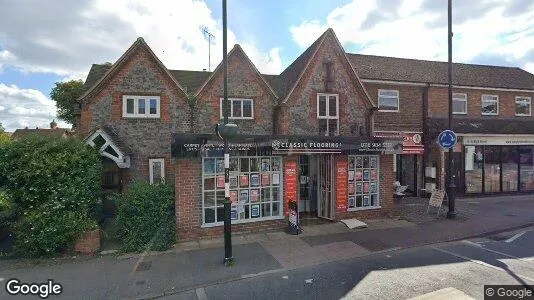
(341, 184)
(497, 140)
(290, 181)
(412, 142)
(436, 200)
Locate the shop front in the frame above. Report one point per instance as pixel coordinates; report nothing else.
(408, 166)
(329, 178)
(498, 163)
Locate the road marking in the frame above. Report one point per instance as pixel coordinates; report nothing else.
(496, 252)
(476, 261)
(2, 279)
(201, 294)
(285, 277)
(446, 293)
(309, 280)
(515, 237)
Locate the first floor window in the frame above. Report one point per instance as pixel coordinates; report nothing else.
(328, 114)
(141, 106)
(255, 188)
(157, 170)
(363, 181)
(490, 104)
(459, 104)
(238, 108)
(522, 106)
(388, 100)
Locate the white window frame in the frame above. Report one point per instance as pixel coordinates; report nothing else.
(231, 113)
(136, 113)
(391, 97)
(328, 116)
(151, 170)
(526, 99)
(496, 100)
(460, 97)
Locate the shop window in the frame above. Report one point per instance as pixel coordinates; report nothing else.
(459, 104)
(141, 106)
(510, 161)
(492, 174)
(156, 170)
(239, 108)
(474, 164)
(490, 105)
(328, 114)
(522, 106)
(363, 181)
(255, 189)
(388, 100)
(526, 159)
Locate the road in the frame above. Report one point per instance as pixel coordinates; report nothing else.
(452, 269)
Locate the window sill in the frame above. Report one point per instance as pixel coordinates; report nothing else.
(235, 222)
(490, 114)
(523, 115)
(459, 113)
(141, 118)
(364, 208)
(389, 111)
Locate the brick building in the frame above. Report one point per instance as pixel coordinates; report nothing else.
(331, 132)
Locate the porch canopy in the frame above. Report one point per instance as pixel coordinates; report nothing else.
(196, 145)
(108, 145)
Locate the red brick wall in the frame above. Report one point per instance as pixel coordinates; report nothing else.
(88, 243)
(438, 103)
(410, 115)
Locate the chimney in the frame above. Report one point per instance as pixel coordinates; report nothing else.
(53, 124)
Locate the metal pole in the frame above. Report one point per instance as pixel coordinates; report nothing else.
(228, 258)
(451, 186)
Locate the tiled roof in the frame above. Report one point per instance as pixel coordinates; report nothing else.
(97, 71)
(424, 71)
(40, 131)
(190, 80)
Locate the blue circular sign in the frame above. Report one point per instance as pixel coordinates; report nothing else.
(447, 139)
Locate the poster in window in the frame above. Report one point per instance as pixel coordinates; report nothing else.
(243, 196)
(276, 179)
(233, 196)
(358, 175)
(233, 214)
(209, 166)
(374, 174)
(366, 187)
(359, 162)
(373, 187)
(220, 182)
(373, 163)
(359, 187)
(265, 164)
(351, 188)
(275, 164)
(255, 210)
(366, 175)
(234, 164)
(351, 201)
(233, 182)
(265, 178)
(254, 195)
(351, 175)
(255, 180)
(351, 163)
(220, 166)
(366, 200)
(243, 180)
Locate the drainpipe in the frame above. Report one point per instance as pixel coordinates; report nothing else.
(425, 131)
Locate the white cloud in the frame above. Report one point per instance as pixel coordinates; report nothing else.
(72, 35)
(21, 108)
(500, 30)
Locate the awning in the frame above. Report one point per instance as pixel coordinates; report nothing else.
(188, 144)
(412, 142)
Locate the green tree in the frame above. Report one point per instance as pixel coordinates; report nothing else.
(4, 137)
(66, 95)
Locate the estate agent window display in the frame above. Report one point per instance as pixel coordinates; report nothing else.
(363, 181)
(255, 189)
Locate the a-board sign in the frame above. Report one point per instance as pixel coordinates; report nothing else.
(437, 198)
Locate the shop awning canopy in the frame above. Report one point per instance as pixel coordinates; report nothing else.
(490, 126)
(189, 144)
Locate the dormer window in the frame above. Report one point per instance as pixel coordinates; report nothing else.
(140, 106)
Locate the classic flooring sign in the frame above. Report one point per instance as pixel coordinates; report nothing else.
(290, 180)
(341, 184)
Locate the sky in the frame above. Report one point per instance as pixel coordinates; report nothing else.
(43, 42)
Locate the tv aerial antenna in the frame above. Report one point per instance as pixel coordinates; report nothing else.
(209, 36)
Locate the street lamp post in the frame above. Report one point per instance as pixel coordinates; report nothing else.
(451, 186)
(228, 258)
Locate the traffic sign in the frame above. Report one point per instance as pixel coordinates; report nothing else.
(447, 139)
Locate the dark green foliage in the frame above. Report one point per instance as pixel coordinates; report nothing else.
(51, 182)
(66, 95)
(146, 218)
(7, 210)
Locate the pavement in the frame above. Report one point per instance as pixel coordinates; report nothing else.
(190, 266)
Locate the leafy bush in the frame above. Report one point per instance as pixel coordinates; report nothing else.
(7, 210)
(52, 182)
(145, 217)
(47, 231)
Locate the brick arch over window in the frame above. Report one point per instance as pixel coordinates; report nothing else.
(108, 148)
